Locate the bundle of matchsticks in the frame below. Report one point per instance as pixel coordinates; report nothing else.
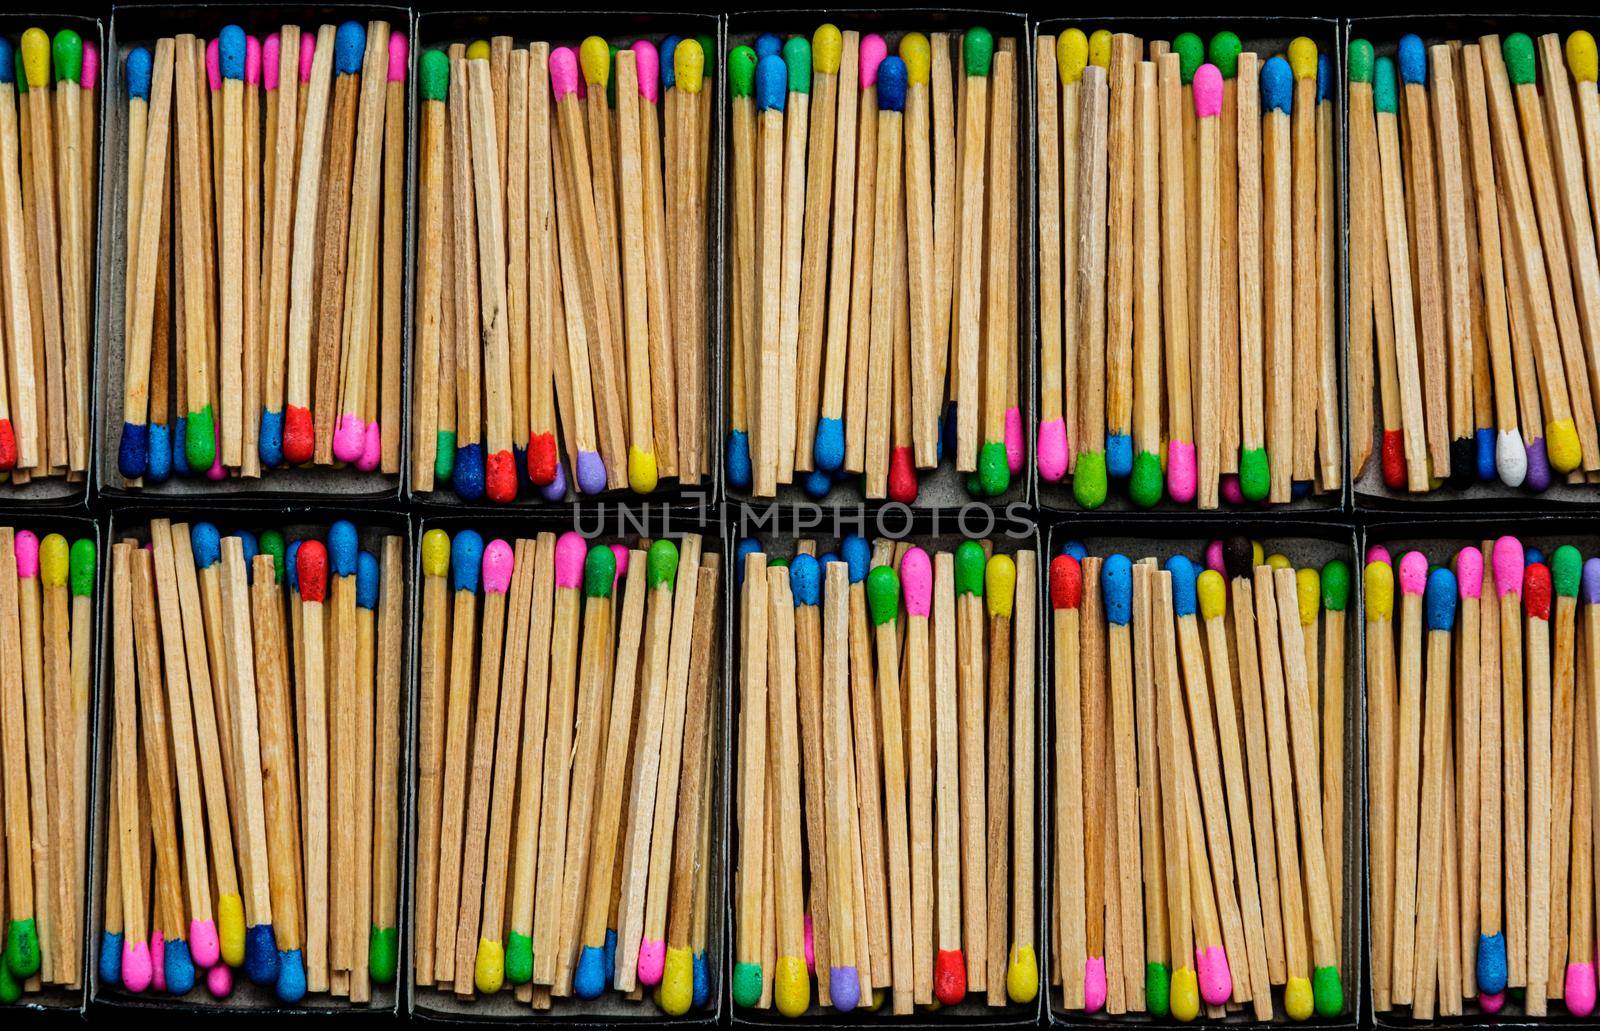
(47, 617)
(885, 829)
(252, 787)
(534, 875)
(48, 165)
(1483, 731)
(874, 261)
(1474, 276)
(264, 273)
(1187, 304)
(561, 267)
(1211, 771)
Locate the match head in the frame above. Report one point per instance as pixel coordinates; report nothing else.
(1336, 585)
(661, 565)
(563, 72)
(741, 71)
(138, 70)
(1298, 999)
(1145, 485)
(252, 61)
(1052, 449)
(291, 986)
(805, 580)
(892, 86)
(647, 63)
(1510, 457)
(857, 555)
(1116, 589)
(594, 57)
(571, 550)
(53, 560)
(999, 585)
(308, 55)
(1324, 77)
(1561, 442)
(826, 44)
(1591, 582)
(1566, 571)
(1581, 56)
(229, 46)
(1076, 549)
(36, 58)
(766, 43)
(1212, 594)
(1579, 993)
(1469, 572)
(870, 55)
(436, 74)
(343, 544)
(1224, 51)
(1022, 974)
(1216, 981)
(949, 977)
(399, 56)
(916, 581)
(689, 65)
(1238, 556)
(599, 571)
(883, 594)
(797, 56)
(1327, 991)
(1066, 582)
(1191, 51)
(1303, 58)
(1184, 602)
(1308, 594)
(66, 51)
(1536, 590)
(1207, 91)
(349, 45)
(1413, 572)
(1508, 561)
(311, 570)
(1100, 48)
(772, 78)
(1277, 86)
(1358, 59)
(89, 76)
(260, 954)
(977, 51)
(1119, 447)
(1521, 66)
(435, 553)
(642, 473)
(791, 988)
(746, 984)
(917, 55)
(1440, 599)
(466, 561)
(591, 472)
(1072, 55)
(291, 566)
(1089, 483)
(970, 563)
(81, 567)
(1181, 471)
(669, 52)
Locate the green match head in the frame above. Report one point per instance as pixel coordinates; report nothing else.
(970, 564)
(883, 594)
(741, 71)
(66, 52)
(1327, 991)
(708, 51)
(994, 469)
(1360, 60)
(1255, 473)
(10, 988)
(271, 542)
(1518, 53)
(22, 948)
(1566, 570)
(746, 984)
(1191, 54)
(381, 950)
(777, 562)
(200, 439)
(1157, 984)
(1145, 481)
(1224, 53)
(1336, 585)
(519, 956)
(444, 455)
(600, 570)
(661, 567)
(81, 568)
(977, 51)
(1384, 89)
(435, 75)
(1089, 479)
(797, 58)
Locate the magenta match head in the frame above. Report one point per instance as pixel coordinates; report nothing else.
(219, 981)
(652, 960)
(1094, 984)
(371, 448)
(1181, 473)
(1492, 1004)
(1214, 558)
(1413, 572)
(1013, 440)
(1508, 563)
(1580, 989)
(1211, 964)
(1378, 553)
(252, 61)
(811, 948)
(214, 64)
(347, 437)
(137, 971)
(308, 54)
(1469, 572)
(26, 547)
(647, 61)
(90, 74)
(1052, 449)
(916, 581)
(563, 71)
(203, 944)
(399, 54)
(499, 563)
(571, 550)
(871, 54)
(1207, 91)
(271, 55)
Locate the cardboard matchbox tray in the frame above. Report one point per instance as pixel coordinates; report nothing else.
(1307, 544)
(142, 24)
(247, 999)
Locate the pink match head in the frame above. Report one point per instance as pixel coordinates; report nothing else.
(371, 448)
(1181, 474)
(1492, 1004)
(563, 71)
(252, 61)
(214, 65)
(1469, 572)
(1094, 984)
(136, 971)
(871, 54)
(620, 553)
(1580, 989)
(1211, 964)
(1232, 493)
(90, 74)
(158, 967)
(1378, 553)
(499, 562)
(571, 550)
(1413, 572)
(916, 581)
(647, 60)
(270, 56)
(1013, 439)
(811, 948)
(27, 551)
(217, 473)
(219, 981)
(308, 55)
(1214, 559)
(399, 56)
(203, 944)
(347, 437)
(1508, 562)
(1052, 449)
(1207, 91)
(652, 960)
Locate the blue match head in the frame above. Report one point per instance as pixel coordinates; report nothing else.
(468, 478)
(1277, 86)
(179, 966)
(1591, 581)
(138, 70)
(206, 543)
(133, 451)
(768, 43)
(805, 580)
(367, 580)
(251, 547)
(772, 83)
(858, 555)
(702, 981)
(180, 455)
(230, 51)
(669, 62)
(828, 451)
(270, 439)
(739, 459)
(1439, 599)
(1300, 489)
(826, 557)
(892, 85)
(608, 952)
(260, 955)
(1119, 455)
(1532, 557)
(817, 484)
(1183, 578)
(1492, 963)
(1413, 57)
(159, 469)
(466, 558)
(110, 964)
(1076, 550)
(590, 979)
(1484, 440)
(1116, 586)
(349, 44)
(947, 431)
(747, 546)
(291, 976)
(343, 544)
(1324, 73)
(291, 570)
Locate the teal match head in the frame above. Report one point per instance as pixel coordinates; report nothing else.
(977, 51)
(1336, 585)
(1224, 52)
(81, 571)
(1566, 570)
(1359, 59)
(741, 71)
(1517, 50)
(599, 572)
(970, 563)
(883, 594)
(661, 566)
(1385, 92)
(797, 57)
(746, 984)
(435, 75)
(1191, 54)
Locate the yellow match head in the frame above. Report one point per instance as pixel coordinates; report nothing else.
(36, 58)
(677, 981)
(1072, 54)
(915, 53)
(1297, 998)
(1213, 594)
(435, 553)
(1256, 553)
(999, 585)
(1303, 58)
(1022, 974)
(1378, 589)
(1581, 56)
(489, 969)
(689, 65)
(1100, 48)
(1278, 561)
(1184, 997)
(1308, 594)
(230, 927)
(594, 57)
(641, 470)
(54, 559)
(791, 988)
(826, 43)
(478, 50)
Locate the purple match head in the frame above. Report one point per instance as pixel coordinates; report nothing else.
(1539, 475)
(591, 472)
(556, 489)
(1591, 581)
